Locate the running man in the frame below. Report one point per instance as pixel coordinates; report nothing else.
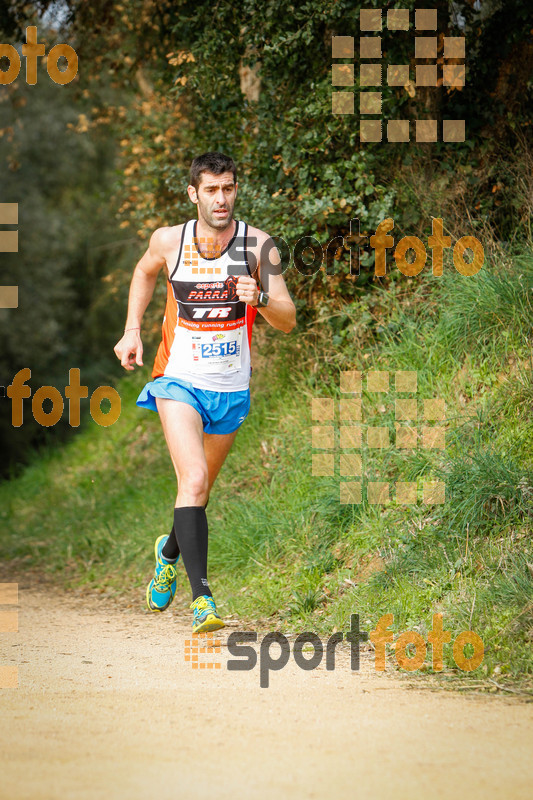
(216, 269)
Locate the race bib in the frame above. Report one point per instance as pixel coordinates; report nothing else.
(216, 351)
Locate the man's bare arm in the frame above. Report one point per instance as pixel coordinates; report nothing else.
(280, 311)
(129, 349)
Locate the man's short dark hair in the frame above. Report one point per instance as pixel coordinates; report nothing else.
(217, 163)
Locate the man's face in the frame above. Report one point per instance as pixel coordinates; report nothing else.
(215, 198)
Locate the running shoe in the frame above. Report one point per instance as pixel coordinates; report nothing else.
(162, 588)
(205, 615)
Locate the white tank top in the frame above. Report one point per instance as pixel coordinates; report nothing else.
(207, 330)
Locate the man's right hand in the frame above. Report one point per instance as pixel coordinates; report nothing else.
(129, 350)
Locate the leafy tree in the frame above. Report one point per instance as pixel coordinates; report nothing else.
(61, 174)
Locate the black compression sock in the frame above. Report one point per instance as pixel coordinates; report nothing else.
(171, 549)
(190, 522)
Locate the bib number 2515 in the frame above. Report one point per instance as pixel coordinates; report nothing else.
(220, 349)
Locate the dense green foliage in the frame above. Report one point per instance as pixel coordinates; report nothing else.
(303, 169)
(61, 176)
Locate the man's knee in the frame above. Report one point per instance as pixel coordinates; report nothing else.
(195, 481)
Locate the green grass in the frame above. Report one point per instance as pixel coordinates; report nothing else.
(284, 552)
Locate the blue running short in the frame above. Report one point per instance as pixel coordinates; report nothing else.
(221, 412)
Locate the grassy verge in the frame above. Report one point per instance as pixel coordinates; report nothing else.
(284, 551)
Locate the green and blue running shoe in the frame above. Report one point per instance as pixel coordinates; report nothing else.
(205, 615)
(162, 588)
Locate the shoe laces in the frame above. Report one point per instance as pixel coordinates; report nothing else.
(204, 603)
(165, 577)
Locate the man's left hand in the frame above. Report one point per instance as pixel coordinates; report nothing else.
(247, 290)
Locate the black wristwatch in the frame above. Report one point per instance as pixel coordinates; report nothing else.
(262, 300)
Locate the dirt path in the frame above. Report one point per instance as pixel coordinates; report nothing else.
(107, 707)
